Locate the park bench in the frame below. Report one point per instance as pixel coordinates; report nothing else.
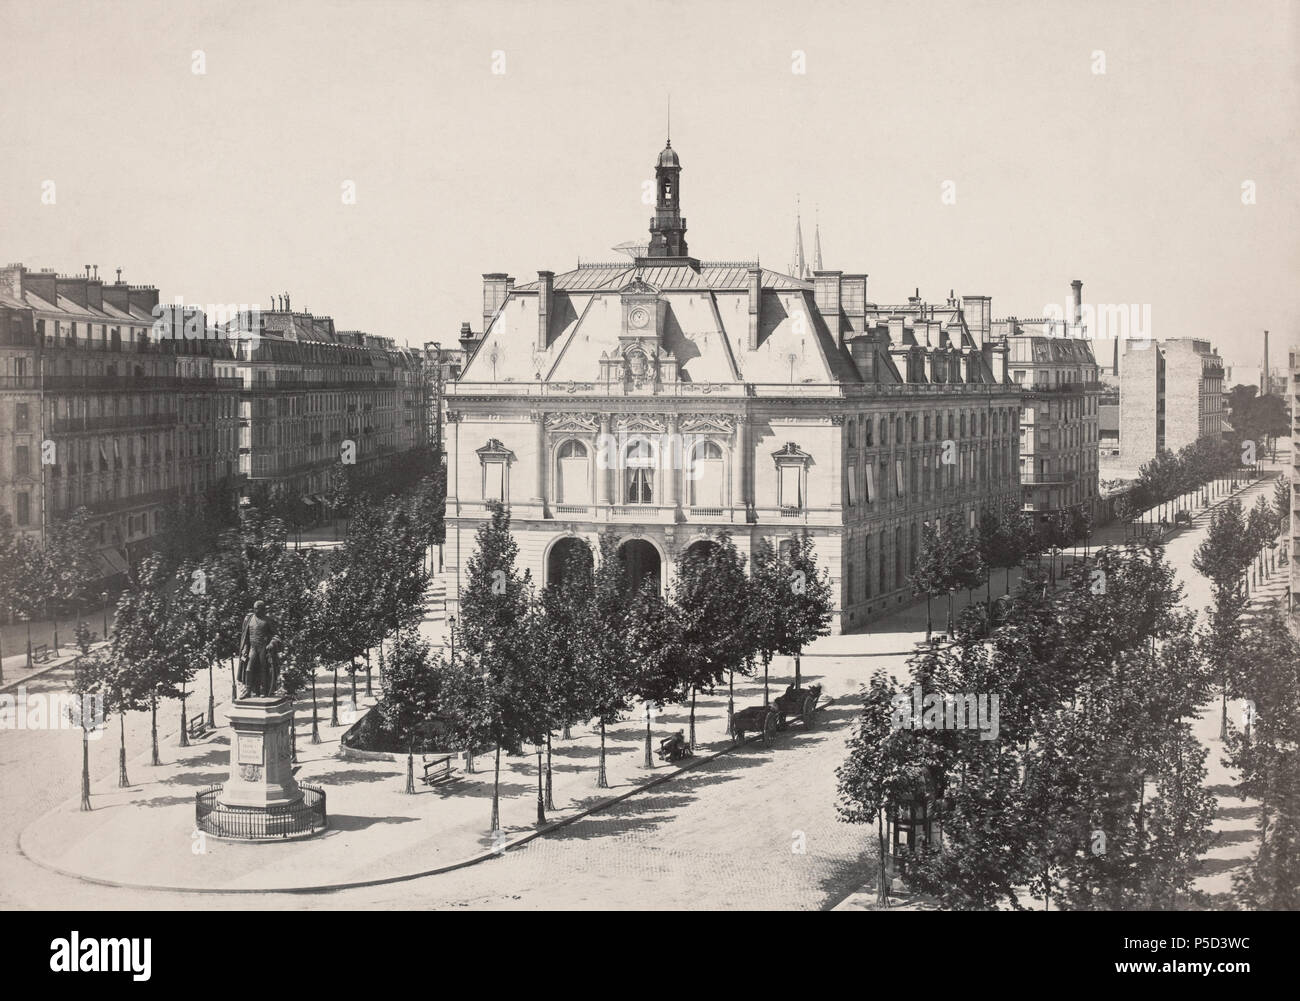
(198, 725)
(437, 770)
(41, 653)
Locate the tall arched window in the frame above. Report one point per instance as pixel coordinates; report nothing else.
(706, 475)
(572, 478)
(639, 463)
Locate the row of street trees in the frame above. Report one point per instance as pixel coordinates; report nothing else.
(51, 580)
(331, 608)
(1236, 547)
(953, 557)
(1256, 659)
(1170, 481)
(1087, 789)
(597, 645)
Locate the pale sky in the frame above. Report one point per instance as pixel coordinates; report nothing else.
(226, 186)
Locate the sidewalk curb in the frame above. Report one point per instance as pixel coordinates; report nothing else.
(8, 685)
(518, 842)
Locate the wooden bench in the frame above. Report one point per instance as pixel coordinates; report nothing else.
(41, 652)
(437, 770)
(198, 725)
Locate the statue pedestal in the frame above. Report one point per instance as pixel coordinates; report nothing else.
(261, 769)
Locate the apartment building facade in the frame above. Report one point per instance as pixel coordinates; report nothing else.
(667, 398)
(312, 396)
(97, 411)
(1171, 394)
(1059, 415)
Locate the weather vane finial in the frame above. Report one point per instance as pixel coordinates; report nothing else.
(670, 119)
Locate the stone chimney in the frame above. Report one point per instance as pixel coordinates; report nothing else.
(44, 284)
(995, 355)
(826, 295)
(978, 310)
(863, 350)
(118, 295)
(496, 287)
(73, 287)
(1265, 382)
(1076, 303)
(143, 297)
(11, 281)
(754, 281)
(545, 295)
(95, 293)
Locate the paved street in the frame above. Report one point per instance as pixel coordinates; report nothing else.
(727, 833)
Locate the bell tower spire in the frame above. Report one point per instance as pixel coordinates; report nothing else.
(668, 227)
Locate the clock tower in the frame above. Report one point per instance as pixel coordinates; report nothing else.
(668, 227)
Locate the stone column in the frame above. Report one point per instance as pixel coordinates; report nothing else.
(739, 457)
(603, 448)
(542, 461)
(672, 463)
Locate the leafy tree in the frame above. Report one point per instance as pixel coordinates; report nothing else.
(1222, 557)
(874, 774)
(494, 610)
(144, 635)
(709, 592)
(931, 575)
(410, 689)
(607, 688)
(811, 600)
(656, 672)
(562, 638)
(12, 599)
(194, 627)
(89, 709)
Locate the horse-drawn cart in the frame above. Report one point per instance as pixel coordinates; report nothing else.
(796, 703)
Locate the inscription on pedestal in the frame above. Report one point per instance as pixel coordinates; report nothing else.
(249, 749)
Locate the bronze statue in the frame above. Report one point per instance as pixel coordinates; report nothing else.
(259, 671)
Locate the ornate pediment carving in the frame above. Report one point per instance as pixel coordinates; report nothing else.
(641, 424)
(573, 422)
(790, 452)
(638, 286)
(708, 423)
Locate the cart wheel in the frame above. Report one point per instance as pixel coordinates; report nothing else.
(809, 707)
(769, 729)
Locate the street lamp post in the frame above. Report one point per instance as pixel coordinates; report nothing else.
(104, 599)
(27, 619)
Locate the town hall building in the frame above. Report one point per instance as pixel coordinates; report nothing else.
(668, 397)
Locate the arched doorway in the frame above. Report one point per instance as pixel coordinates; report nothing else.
(568, 555)
(641, 563)
(699, 549)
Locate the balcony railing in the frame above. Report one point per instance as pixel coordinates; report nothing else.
(117, 383)
(111, 505)
(723, 390)
(1031, 479)
(114, 422)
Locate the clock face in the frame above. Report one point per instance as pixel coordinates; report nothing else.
(638, 317)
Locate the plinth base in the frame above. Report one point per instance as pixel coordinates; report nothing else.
(302, 818)
(261, 799)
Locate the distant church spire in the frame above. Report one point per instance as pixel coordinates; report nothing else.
(798, 267)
